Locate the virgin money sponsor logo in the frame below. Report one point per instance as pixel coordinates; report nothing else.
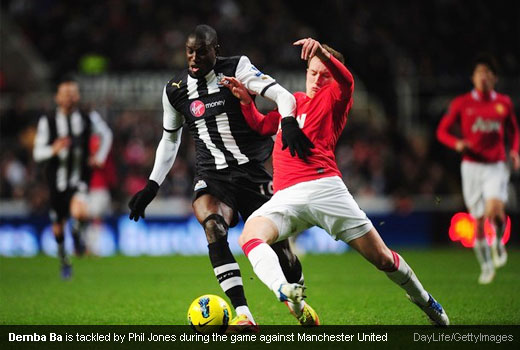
(197, 108)
(215, 104)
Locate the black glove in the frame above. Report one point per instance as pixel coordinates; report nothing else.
(141, 199)
(294, 138)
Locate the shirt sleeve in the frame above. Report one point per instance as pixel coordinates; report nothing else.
(342, 76)
(165, 155)
(172, 119)
(262, 84)
(448, 120)
(100, 127)
(265, 125)
(512, 130)
(42, 150)
(170, 141)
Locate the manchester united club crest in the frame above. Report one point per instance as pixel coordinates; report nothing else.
(500, 108)
(197, 108)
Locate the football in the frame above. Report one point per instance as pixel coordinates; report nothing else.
(209, 314)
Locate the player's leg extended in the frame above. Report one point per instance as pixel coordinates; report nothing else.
(372, 247)
(292, 270)
(258, 233)
(79, 220)
(250, 201)
(215, 216)
(495, 214)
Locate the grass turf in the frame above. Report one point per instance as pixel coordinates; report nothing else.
(344, 289)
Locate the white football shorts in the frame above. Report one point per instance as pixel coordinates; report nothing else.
(99, 203)
(324, 202)
(481, 182)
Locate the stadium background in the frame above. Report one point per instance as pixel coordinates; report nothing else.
(409, 60)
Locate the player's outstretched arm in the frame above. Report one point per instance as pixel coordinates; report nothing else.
(311, 47)
(266, 125)
(261, 84)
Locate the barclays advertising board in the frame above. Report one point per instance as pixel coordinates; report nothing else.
(182, 236)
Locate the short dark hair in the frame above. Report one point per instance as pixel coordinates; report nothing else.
(205, 33)
(486, 59)
(65, 79)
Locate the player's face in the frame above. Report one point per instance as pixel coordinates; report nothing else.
(317, 77)
(67, 96)
(201, 57)
(483, 78)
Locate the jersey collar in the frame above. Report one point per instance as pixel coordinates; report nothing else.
(479, 96)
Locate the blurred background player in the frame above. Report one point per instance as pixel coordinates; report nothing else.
(311, 193)
(230, 174)
(63, 143)
(102, 180)
(485, 117)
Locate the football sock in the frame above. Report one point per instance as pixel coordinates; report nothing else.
(291, 270)
(77, 228)
(244, 310)
(227, 272)
(265, 263)
(483, 253)
(62, 255)
(403, 276)
(297, 308)
(291, 266)
(500, 228)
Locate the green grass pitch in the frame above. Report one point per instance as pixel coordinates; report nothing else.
(344, 290)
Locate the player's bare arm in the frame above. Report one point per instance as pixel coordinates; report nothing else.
(237, 89)
(311, 48)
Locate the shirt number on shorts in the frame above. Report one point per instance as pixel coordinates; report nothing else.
(266, 188)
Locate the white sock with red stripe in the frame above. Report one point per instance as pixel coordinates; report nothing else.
(483, 253)
(265, 263)
(404, 277)
(297, 308)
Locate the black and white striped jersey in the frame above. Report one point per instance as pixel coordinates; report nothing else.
(222, 137)
(69, 170)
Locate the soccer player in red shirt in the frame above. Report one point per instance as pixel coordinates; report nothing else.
(484, 117)
(310, 192)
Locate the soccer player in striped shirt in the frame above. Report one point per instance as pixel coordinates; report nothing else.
(230, 175)
(62, 144)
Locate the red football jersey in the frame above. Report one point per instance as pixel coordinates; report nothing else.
(322, 119)
(484, 120)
